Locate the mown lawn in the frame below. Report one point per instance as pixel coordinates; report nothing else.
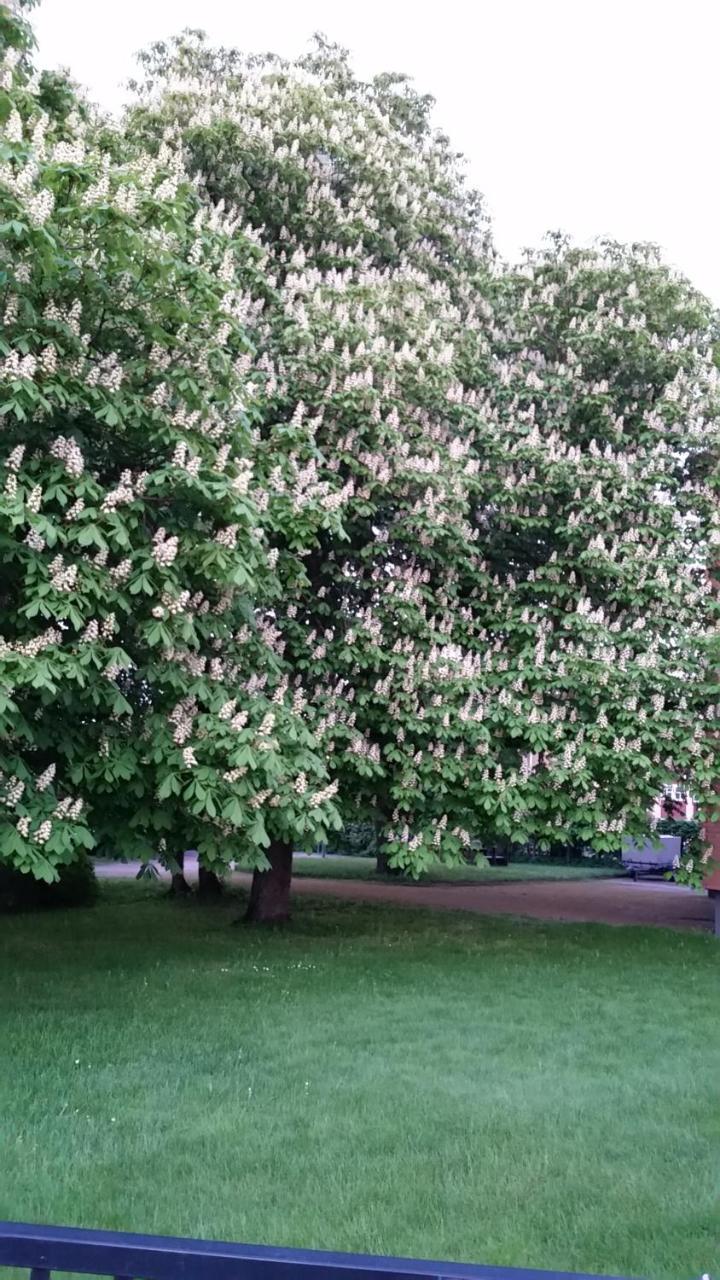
(397, 1081)
(335, 868)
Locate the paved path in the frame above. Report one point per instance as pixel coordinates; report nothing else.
(621, 901)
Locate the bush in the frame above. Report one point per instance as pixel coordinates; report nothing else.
(76, 887)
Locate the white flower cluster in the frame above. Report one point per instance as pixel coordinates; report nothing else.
(74, 510)
(35, 540)
(227, 537)
(234, 775)
(69, 153)
(63, 577)
(14, 789)
(241, 482)
(42, 782)
(122, 493)
(324, 794)
(69, 453)
(69, 808)
(31, 648)
(15, 366)
(34, 500)
(165, 548)
(121, 572)
(265, 741)
(13, 462)
(182, 718)
(39, 207)
(107, 373)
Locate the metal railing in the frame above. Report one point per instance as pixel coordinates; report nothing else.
(43, 1250)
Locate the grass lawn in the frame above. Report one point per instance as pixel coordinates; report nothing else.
(364, 869)
(396, 1081)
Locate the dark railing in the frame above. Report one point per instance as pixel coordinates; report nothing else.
(42, 1250)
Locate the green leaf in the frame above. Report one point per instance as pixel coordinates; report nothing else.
(170, 786)
(257, 833)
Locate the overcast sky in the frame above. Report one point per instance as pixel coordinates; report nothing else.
(597, 117)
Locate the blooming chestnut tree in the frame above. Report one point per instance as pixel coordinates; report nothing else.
(527, 629)
(345, 170)
(312, 508)
(512, 631)
(143, 697)
(606, 395)
(370, 234)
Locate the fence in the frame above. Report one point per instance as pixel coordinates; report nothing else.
(43, 1250)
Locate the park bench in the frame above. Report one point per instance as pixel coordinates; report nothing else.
(45, 1250)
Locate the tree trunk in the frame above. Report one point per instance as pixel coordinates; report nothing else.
(179, 887)
(270, 893)
(382, 865)
(209, 885)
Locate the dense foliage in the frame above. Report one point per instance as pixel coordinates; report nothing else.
(314, 510)
(515, 631)
(139, 665)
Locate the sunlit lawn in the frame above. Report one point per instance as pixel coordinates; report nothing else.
(396, 1081)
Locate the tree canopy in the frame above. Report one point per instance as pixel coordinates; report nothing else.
(315, 510)
(143, 700)
(515, 623)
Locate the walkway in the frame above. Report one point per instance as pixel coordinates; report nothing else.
(621, 901)
(601, 901)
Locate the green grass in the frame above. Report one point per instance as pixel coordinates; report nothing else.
(364, 869)
(396, 1081)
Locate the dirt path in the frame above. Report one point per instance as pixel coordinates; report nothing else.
(602, 901)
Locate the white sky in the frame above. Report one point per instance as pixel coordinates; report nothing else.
(597, 117)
